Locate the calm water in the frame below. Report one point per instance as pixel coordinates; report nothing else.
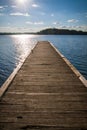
(13, 49)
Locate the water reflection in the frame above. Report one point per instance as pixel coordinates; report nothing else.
(13, 50)
(23, 45)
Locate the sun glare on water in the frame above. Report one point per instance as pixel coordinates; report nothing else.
(23, 45)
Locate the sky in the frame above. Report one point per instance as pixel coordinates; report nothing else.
(35, 15)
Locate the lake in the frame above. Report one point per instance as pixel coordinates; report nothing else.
(14, 48)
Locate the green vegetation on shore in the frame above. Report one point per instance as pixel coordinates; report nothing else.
(55, 31)
(51, 31)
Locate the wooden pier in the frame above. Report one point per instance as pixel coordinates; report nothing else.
(45, 94)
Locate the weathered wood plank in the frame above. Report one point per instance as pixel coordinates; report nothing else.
(45, 94)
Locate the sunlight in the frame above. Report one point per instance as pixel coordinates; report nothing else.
(21, 1)
(23, 44)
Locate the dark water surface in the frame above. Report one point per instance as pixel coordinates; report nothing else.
(13, 49)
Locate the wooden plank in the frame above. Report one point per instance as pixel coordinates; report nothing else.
(46, 93)
(5, 86)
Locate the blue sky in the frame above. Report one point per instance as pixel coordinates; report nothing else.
(35, 15)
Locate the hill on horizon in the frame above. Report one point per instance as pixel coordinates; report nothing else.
(49, 31)
(55, 31)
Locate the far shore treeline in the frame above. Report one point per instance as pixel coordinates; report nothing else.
(50, 31)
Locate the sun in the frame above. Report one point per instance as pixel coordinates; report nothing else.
(21, 1)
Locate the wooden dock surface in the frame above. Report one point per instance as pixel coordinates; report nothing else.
(44, 95)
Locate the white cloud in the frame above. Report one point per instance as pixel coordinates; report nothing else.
(38, 23)
(9, 23)
(14, 6)
(10, 28)
(35, 23)
(52, 15)
(35, 5)
(20, 14)
(20, 29)
(1, 7)
(29, 22)
(1, 14)
(42, 13)
(5, 6)
(82, 27)
(4, 29)
(72, 21)
(56, 23)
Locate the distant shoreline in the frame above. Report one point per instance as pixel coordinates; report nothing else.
(17, 33)
(55, 31)
(48, 31)
(36, 34)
